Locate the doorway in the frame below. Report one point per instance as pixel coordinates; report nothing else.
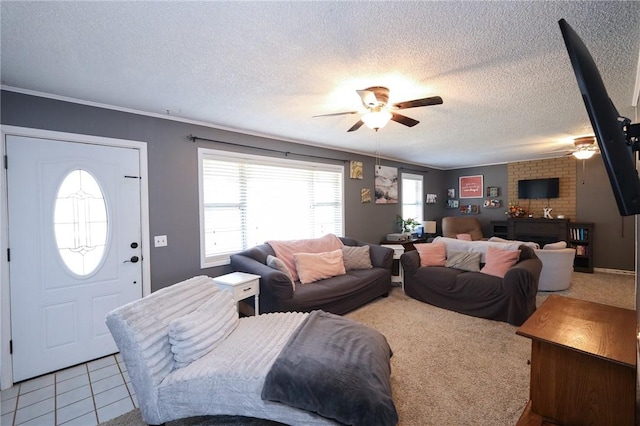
(77, 238)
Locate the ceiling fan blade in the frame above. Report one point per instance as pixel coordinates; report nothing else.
(402, 119)
(434, 100)
(356, 126)
(335, 113)
(368, 98)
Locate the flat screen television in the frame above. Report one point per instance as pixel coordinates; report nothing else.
(538, 188)
(617, 137)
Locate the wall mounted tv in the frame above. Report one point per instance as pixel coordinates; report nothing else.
(538, 188)
(618, 139)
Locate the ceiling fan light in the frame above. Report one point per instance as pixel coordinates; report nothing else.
(376, 119)
(583, 154)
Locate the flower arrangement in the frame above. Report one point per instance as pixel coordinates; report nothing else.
(515, 211)
(408, 225)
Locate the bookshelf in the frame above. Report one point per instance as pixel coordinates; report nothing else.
(581, 238)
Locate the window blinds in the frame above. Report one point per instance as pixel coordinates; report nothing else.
(247, 200)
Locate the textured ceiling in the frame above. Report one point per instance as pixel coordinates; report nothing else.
(267, 67)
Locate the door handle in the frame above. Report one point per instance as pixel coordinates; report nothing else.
(134, 259)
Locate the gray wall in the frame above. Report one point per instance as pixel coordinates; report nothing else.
(173, 186)
(492, 176)
(173, 190)
(614, 235)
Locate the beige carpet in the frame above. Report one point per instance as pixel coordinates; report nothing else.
(448, 368)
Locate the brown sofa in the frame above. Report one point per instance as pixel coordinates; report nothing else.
(511, 299)
(453, 225)
(337, 295)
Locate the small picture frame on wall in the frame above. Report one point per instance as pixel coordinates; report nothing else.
(451, 193)
(470, 209)
(452, 204)
(355, 170)
(493, 191)
(365, 195)
(492, 204)
(431, 198)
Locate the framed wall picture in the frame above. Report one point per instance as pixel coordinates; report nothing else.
(452, 204)
(471, 186)
(355, 170)
(451, 193)
(493, 191)
(492, 203)
(386, 185)
(365, 195)
(469, 209)
(431, 198)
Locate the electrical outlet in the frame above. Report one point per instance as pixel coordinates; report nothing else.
(160, 241)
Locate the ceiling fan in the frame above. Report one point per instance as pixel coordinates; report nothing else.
(585, 147)
(377, 111)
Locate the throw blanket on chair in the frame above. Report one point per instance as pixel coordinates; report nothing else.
(335, 367)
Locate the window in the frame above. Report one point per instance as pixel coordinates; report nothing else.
(412, 197)
(246, 200)
(80, 222)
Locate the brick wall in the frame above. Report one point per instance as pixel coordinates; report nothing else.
(563, 168)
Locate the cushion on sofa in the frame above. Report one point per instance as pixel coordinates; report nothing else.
(465, 261)
(555, 246)
(356, 257)
(285, 249)
(464, 237)
(275, 263)
(197, 333)
(317, 266)
(499, 261)
(431, 254)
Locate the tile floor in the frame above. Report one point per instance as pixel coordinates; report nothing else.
(86, 395)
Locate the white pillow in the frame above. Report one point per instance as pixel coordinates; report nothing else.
(275, 263)
(555, 246)
(198, 332)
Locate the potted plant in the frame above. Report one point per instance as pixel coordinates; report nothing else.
(407, 226)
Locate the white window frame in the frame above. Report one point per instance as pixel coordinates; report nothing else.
(419, 197)
(219, 155)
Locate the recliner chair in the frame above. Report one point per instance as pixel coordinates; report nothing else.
(453, 226)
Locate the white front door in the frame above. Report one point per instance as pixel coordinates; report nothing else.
(74, 248)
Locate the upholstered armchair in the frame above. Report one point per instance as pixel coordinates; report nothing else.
(557, 268)
(453, 226)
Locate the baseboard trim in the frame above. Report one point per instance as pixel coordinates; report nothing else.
(614, 271)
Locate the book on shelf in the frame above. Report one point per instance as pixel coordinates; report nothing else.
(581, 250)
(579, 234)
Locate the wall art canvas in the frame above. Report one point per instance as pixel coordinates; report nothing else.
(355, 170)
(386, 185)
(451, 193)
(471, 186)
(365, 195)
(431, 198)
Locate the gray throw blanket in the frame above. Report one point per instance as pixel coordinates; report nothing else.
(337, 368)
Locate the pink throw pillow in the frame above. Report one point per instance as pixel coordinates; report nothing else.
(465, 237)
(318, 266)
(432, 254)
(285, 249)
(499, 261)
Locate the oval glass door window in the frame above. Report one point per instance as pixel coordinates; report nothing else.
(80, 222)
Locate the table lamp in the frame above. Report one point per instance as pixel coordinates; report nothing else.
(429, 227)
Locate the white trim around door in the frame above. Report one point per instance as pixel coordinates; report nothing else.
(6, 362)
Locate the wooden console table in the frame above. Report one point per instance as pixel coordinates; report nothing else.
(583, 364)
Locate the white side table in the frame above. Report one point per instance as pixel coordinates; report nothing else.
(398, 250)
(241, 285)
